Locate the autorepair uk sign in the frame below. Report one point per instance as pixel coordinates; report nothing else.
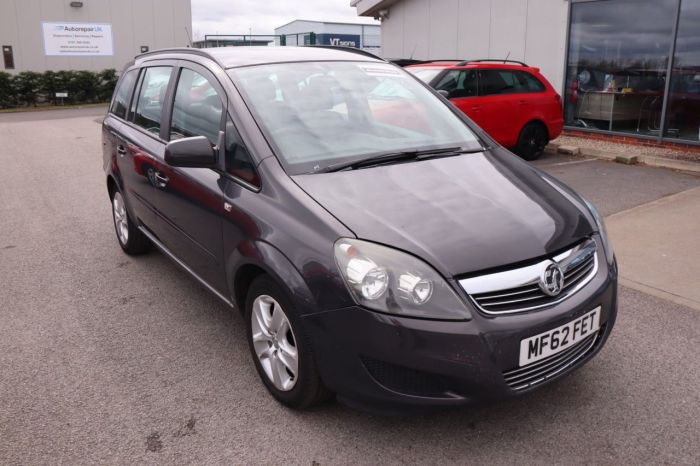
(76, 39)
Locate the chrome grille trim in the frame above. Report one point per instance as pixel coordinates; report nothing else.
(518, 290)
(532, 374)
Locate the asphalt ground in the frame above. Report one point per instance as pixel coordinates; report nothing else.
(110, 359)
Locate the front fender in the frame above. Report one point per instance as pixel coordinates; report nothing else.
(268, 258)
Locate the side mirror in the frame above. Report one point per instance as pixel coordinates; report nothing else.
(444, 93)
(194, 152)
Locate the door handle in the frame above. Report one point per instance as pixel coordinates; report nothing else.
(523, 102)
(476, 108)
(161, 180)
(121, 150)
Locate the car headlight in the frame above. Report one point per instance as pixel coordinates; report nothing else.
(388, 280)
(600, 224)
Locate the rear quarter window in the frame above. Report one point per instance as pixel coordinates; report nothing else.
(531, 83)
(121, 97)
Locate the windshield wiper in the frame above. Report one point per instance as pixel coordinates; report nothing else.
(392, 157)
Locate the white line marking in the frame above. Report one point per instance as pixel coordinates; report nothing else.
(574, 162)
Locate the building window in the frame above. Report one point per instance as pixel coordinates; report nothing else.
(8, 57)
(617, 64)
(683, 107)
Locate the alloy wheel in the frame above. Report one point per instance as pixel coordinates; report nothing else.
(121, 221)
(274, 343)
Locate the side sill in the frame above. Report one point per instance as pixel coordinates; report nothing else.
(184, 266)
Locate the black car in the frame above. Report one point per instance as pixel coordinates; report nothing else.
(380, 246)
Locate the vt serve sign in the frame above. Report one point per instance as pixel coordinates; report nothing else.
(71, 39)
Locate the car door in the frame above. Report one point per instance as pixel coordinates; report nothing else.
(139, 142)
(526, 103)
(113, 147)
(189, 200)
(498, 108)
(534, 102)
(462, 86)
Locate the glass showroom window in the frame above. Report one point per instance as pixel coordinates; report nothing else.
(617, 64)
(683, 113)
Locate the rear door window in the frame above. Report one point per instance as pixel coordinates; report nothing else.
(151, 98)
(495, 82)
(121, 97)
(197, 108)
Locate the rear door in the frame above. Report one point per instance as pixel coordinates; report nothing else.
(189, 201)
(140, 143)
(534, 100)
(113, 147)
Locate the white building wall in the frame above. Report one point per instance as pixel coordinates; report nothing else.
(155, 23)
(299, 27)
(371, 33)
(533, 31)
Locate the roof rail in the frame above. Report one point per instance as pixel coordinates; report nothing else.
(185, 50)
(496, 60)
(413, 61)
(348, 49)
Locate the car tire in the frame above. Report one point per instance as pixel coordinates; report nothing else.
(532, 141)
(130, 238)
(281, 352)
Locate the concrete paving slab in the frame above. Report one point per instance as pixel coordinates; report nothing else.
(568, 150)
(658, 247)
(627, 159)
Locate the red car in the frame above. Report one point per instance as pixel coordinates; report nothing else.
(511, 101)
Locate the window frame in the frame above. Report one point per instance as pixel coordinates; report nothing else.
(167, 99)
(129, 94)
(200, 70)
(482, 92)
(227, 113)
(135, 92)
(536, 79)
(478, 82)
(522, 89)
(661, 135)
(246, 184)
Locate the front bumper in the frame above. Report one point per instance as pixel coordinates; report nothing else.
(378, 360)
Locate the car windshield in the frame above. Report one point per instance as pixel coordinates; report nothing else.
(424, 74)
(317, 114)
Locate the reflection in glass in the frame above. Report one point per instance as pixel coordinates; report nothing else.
(683, 114)
(617, 61)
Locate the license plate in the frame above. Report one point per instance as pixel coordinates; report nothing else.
(558, 339)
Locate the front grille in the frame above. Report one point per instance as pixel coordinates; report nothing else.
(519, 290)
(525, 377)
(532, 295)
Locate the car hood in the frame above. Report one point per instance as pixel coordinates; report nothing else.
(461, 214)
